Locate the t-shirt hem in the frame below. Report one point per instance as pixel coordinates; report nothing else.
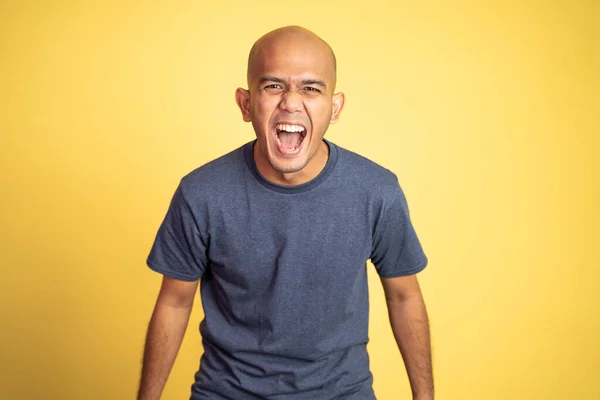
(415, 270)
(170, 273)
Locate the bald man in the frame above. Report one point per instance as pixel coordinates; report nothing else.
(278, 232)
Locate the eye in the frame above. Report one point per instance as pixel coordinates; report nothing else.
(312, 89)
(273, 88)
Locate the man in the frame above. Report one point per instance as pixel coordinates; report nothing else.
(279, 232)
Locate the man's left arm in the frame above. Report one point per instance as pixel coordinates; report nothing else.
(410, 324)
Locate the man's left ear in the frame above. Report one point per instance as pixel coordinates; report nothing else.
(336, 107)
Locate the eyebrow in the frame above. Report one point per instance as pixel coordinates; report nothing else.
(314, 82)
(267, 78)
(264, 79)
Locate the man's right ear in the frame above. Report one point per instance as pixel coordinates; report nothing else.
(242, 98)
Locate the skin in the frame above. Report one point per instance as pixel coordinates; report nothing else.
(285, 68)
(410, 325)
(165, 334)
(291, 79)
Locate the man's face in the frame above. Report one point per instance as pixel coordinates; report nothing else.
(291, 103)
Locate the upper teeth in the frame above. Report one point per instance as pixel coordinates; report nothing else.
(290, 128)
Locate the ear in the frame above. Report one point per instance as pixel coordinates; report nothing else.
(242, 98)
(337, 105)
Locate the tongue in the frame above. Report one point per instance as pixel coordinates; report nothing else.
(289, 139)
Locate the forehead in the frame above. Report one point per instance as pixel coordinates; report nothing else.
(294, 59)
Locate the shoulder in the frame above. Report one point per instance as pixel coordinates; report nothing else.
(361, 172)
(215, 175)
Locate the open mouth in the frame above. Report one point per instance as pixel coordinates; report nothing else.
(289, 138)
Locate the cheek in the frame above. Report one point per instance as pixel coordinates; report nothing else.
(319, 114)
(264, 106)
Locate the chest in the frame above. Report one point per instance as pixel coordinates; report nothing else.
(304, 240)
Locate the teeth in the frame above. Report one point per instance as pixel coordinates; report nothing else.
(290, 128)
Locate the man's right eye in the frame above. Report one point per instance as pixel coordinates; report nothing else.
(273, 86)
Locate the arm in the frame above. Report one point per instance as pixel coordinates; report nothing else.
(408, 318)
(165, 334)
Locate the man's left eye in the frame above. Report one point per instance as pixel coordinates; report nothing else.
(312, 89)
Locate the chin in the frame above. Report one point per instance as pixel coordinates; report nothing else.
(287, 166)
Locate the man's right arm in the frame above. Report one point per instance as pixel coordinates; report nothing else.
(165, 334)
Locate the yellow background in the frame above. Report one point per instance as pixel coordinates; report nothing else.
(489, 113)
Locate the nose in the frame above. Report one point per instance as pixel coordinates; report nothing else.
(291, 101)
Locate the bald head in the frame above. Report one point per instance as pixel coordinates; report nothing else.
(291, 88)
(283, 42)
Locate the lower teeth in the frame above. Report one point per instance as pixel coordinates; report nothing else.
(296, 147)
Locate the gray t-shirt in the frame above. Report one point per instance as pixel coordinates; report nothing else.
(283, 273)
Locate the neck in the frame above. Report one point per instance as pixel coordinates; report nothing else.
(309, 172)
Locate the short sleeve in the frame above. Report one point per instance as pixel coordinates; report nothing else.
(179, 250)
(396, 248)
